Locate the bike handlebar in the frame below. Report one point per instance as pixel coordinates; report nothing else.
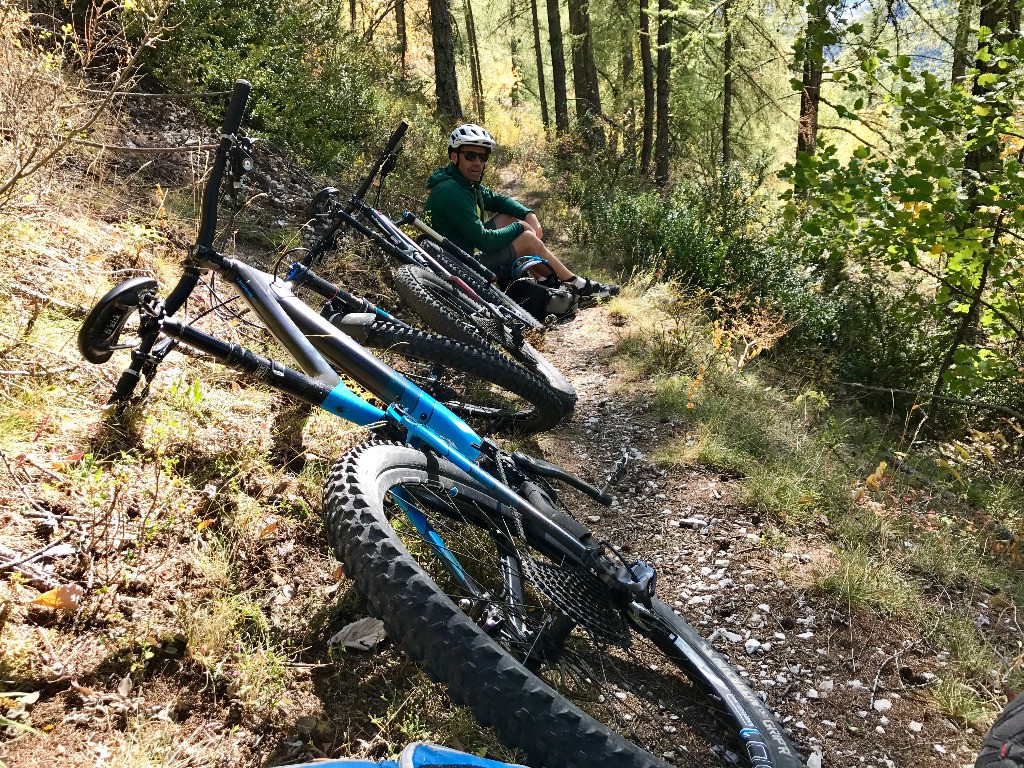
(392, 144)
(232, 122)
(129, 379)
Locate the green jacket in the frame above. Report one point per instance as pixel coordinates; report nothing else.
(455, 208)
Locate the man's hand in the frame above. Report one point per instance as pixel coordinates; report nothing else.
(533, 222)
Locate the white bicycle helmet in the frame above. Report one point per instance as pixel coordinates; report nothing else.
(470, 133)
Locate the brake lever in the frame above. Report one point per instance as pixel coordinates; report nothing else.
(531, 464)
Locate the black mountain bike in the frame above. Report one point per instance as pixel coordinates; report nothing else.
(475, 563)
(451, 292)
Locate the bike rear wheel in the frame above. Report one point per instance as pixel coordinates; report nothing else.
(485, 387)
(489, 292)
(413, 531)
(445, 308)
(450, 312)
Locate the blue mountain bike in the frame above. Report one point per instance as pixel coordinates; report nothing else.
(473, 561)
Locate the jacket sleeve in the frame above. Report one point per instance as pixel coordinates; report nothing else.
(462, 215)
(503, 204)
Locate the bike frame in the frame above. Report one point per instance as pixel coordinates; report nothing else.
(321, 351)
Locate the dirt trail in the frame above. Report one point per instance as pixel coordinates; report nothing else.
(850, 687)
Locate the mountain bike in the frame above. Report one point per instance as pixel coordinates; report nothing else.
(467, 552)
(480, 384)
(451, 292)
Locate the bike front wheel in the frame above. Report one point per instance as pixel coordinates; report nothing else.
(533, 645)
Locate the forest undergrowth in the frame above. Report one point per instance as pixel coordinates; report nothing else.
(167, 596)
(181, 565)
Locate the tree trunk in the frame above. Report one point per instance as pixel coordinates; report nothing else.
(540, 66)
(726, 85)
(474, 64)
(584, 73)
(403, 40)
(558, 66)
(665, 8)
(626, 92)
(980, 162)
(810, 93)
(513, 53)
(965, 14)
(445, 80)
(352, 15)
(647, 73)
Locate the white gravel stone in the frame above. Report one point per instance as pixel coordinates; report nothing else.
(915, 726)
(939, 748)
(812, 694)
(751, 646)
(882, 705)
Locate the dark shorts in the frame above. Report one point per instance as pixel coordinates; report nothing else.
(499, 261)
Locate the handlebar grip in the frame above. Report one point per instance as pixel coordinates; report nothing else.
(236, 108)
(396, 137)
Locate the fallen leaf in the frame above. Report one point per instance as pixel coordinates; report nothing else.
(338, 572)
(64, 598)
(205, 524)
(874, 481)
(361, 635)
(82, 689)
(270, 528)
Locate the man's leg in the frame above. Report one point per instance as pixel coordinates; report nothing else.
(529, 244)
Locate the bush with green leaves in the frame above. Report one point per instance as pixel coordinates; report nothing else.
(314, 86)
(927, 219)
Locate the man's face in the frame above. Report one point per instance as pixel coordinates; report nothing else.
(472, 169)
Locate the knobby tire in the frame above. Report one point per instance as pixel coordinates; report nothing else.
(651, 715)
(449, 312)
(478, 384)
(1003, 746)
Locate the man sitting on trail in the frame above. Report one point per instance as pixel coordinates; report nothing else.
(457, 202)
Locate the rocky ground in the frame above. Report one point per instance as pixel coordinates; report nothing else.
(851, 687)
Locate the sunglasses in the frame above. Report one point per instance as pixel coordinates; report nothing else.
(472, 156)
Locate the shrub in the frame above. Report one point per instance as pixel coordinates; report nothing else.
(313, 86)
